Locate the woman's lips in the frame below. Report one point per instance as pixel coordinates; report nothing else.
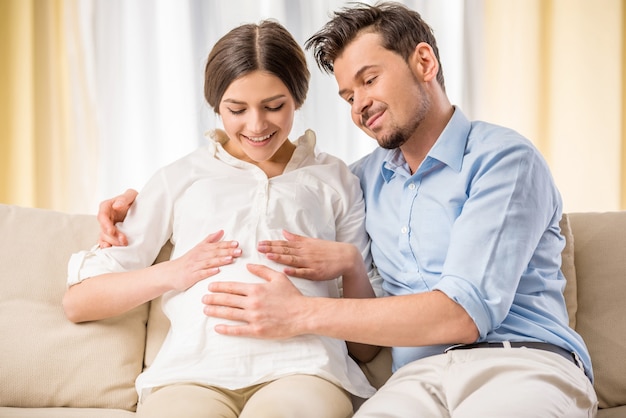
(258, 139)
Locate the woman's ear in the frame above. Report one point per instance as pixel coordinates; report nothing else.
(424, 62)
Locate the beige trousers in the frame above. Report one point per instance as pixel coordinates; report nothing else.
(297, 396)
(485, 383)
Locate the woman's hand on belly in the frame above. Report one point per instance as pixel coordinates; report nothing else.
(202, 261)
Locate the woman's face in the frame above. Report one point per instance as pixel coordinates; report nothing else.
(257, 111)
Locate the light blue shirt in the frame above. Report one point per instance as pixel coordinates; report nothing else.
(479, 221)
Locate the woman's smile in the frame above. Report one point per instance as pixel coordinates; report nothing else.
(258, 139)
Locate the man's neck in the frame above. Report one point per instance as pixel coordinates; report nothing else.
(424, 138)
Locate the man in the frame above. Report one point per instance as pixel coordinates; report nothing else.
(464, 222)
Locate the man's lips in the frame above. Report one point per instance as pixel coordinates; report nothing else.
(371, 120)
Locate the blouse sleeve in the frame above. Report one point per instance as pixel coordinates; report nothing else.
(147, 226)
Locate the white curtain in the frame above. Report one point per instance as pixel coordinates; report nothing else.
(145, 67)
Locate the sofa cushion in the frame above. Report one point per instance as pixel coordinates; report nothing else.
(47, 361)
(600, 251)
(8, 412)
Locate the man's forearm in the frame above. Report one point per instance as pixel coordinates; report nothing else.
(426, 319)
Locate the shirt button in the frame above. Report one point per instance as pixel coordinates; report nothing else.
(405, 229)
(412, 186)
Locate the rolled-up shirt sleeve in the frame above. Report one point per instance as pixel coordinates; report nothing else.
(90, 263)
(502, 234)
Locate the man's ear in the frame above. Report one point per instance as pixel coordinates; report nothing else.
(424, 62)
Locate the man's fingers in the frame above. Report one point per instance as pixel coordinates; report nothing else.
(104, 219)
(243, 328)
(107, 240)
(302, 273)
(224, 305)
(222, 291)
(125, 199)
(224, 312)
(234, 330)
(263, 272)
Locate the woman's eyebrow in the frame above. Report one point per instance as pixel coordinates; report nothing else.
(269, 99)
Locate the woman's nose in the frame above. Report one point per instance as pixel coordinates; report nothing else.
(257, 122)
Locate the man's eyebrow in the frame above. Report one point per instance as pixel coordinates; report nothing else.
(269, 99)
(357, 75)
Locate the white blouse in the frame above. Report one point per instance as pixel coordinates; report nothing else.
(209, 190)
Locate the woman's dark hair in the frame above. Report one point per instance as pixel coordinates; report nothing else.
(266, 46)
(401, 30)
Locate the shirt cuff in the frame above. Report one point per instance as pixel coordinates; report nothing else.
(75, 266)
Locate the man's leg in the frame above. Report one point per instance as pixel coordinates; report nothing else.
(518, 382)
(298, 396)
(414, 390)
(485, 382)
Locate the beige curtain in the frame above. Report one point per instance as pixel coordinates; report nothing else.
(44, 107)
(555, 70)
(623, 116)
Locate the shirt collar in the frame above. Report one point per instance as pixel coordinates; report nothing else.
(451, 144)
(393, 162)
(448, 149)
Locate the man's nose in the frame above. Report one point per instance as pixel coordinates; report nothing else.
(360, 104)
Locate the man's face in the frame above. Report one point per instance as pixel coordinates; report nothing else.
(387, 100)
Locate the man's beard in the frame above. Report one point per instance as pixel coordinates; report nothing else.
(400, 135)
(394, 140)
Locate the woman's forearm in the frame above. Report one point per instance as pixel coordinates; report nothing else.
(113, 294)
(355, 280)
(356, 284)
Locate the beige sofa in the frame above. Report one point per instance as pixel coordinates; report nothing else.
(50, 367)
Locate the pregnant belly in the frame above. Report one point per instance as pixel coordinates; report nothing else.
(194, 350)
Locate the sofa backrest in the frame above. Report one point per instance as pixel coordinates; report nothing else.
(568, 268)
(45, 360)
(600, 263)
